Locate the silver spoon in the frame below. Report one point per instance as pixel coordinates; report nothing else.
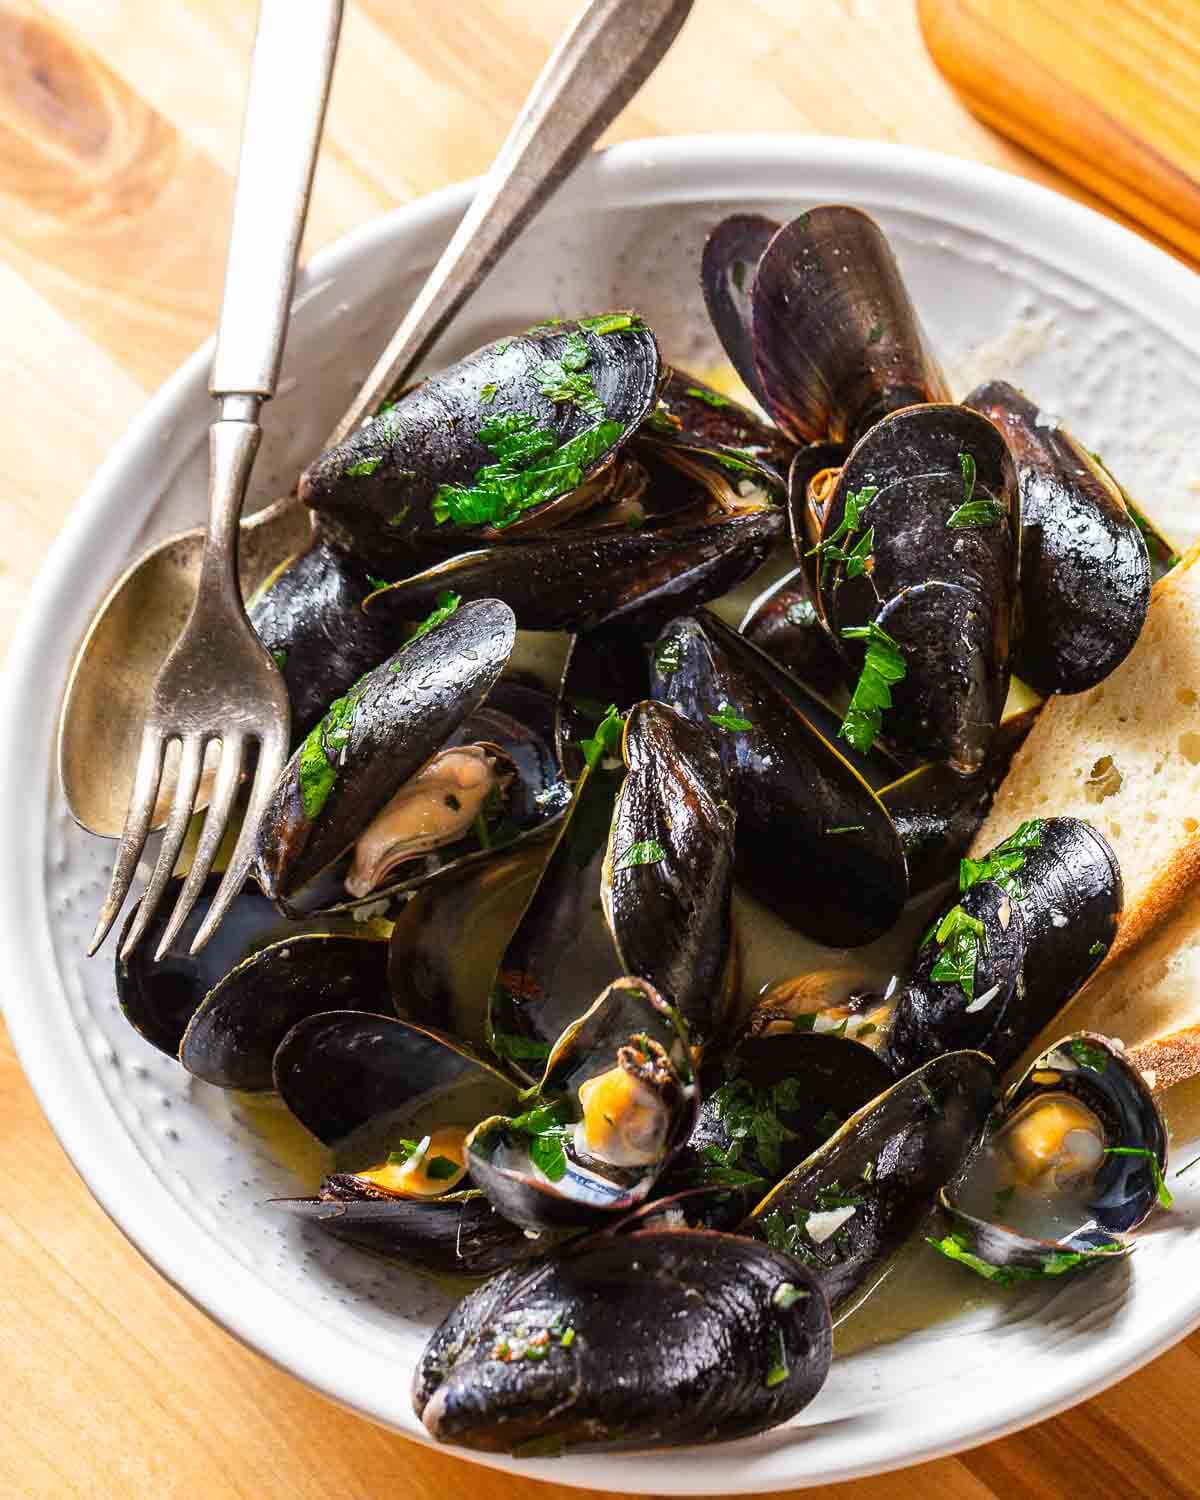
(602, 61)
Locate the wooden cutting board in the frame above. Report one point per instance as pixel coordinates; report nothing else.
(1108, 92)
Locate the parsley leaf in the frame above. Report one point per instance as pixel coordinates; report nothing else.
(442, 1168)
(668, 656)
(546, 1127)
(956, 1246)
(1002, 863)
(364, 467)
(531, 469)
(320, 754)
(1088, 1055)
(884, 665)
(977, 513)
(778, 1372)
(488, 394)
(645, 852)
(751, 1117)
(519, 1048)
(1160, 1187)
(856, 503)
(726, 718)
(966, 462)
(618, 322)
(563, 379)
(710, 398)
(607, 738)
(447, 603)
(959, 935)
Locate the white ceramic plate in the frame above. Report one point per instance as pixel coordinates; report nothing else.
(1011, 281)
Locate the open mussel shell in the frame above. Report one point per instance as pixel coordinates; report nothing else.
(580, 579)
(159, 996)
(667, 880)
(1085, 572)
(837, 342)
(1075, 1158)
(615, 1102)
(696, 419)
(639, 1340)
(232, 1038)
(727, 270)
(938, 812)
(424, 478)
(799, 1088)
(814, 842)
(603, 667)
(309, 616)
(448, 939)
(374, 739)
(784, 621)
(1046, 901)
(812, 480)
(851, 1205)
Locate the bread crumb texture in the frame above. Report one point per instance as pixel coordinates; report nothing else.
(1125, 756)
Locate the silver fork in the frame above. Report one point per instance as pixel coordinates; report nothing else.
(219, 683)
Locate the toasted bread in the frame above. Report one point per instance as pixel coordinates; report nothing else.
(1126, 757)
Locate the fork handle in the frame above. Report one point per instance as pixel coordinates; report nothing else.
(609, 52)
(285, 109)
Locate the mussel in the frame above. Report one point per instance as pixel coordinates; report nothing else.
(603, 668)
(917, 581)
(1033, 919)
(850, 1206)
(1074, 1161)
(1085, 573)
(814, 842)
(785, 622)
(640, 1339)
(617, 1098)
(514, 436)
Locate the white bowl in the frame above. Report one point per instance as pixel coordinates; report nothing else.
(1011, 281)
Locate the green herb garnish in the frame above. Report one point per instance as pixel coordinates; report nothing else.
(364, 467)
(1161, 1189)
(546, 1127)
(725, 718)
(320, 754)
(607, 738)
(876, 332)
(828, 548)
(751, 1116)
(959, 936)
(801, 612)
(279, 657)
(1097, 949)
(884, 665)
(1088, 1055)
(977, 513)
(1002, 863)
(644, 852)
(447, 603)
(377, 583)
(834, 1196)
(441, 1169)
(519, 1048)
(848, 828)
(563, 379)
(531, 469)
(710, 398)
(778, 1372)
(668, 656)
(787, 1295)
(604, 323)
(488, 394)
(956, 1246)
(738, 273)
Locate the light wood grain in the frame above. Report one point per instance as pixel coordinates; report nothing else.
(1110, 93)
(119, 124)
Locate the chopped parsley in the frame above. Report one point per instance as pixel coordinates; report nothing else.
(663, 420)
(1161, 1189)
(1002, 863)
(929, 1096)
(828, 548)
(876, 332)
(738, 273)
(564, 378)
(848, 828)
(959, 936)
(364, 467)
(413, 1154)
(618, 322)
(974, 512)
(725, 718)
(519, 1048)
(441, 1168)
(531, 469)
(956, 1246)
(447, 603)
(710, 398)
(668, 656)
(377, 583)
(778, 1372)
(751, 1117)
(644, 852)
(546, 1128)
(1097, 949)
(317, 763)
(488, 394)
(607, 738)
(1088, 1055)
(883, 666)
(787, 1295)
(715, 1171)
(503, 346)
(279, 657)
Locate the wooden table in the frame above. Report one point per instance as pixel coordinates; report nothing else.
(119, 124)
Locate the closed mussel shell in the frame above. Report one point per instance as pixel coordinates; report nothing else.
(847, 1208)
(728, 267)
(422, 479)
(645, 1339)
(372, 740)
(1085, 572)
(814, 842)
(837, 341)
(667, 881)
(615, 1102)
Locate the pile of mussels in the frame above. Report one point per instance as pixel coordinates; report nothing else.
(672, 1194)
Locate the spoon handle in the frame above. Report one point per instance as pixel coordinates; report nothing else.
(599, 65)
(285, 110)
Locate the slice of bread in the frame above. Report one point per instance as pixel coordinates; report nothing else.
(1126, 757)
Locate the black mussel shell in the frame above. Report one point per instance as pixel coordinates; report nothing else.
(1085, 573)
(692, 416)
(675, 1336)
(848, 1208)
(406, 486)
(1089, 1070)
(231, 1039)
(727, 270)
(159, 997)
(561, 954)
(603, 668)
(804, 1085)
(630, 1030)
(580, 579)
(903, 495)
(460, 1232)
(811, 482)
(309, 617)
(939, 812)
(350, 1077)
(785, 623)
(667, 883)
(837, 342)
(372, 740)
(814, 842)
(447, 941)
(933, 1015)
